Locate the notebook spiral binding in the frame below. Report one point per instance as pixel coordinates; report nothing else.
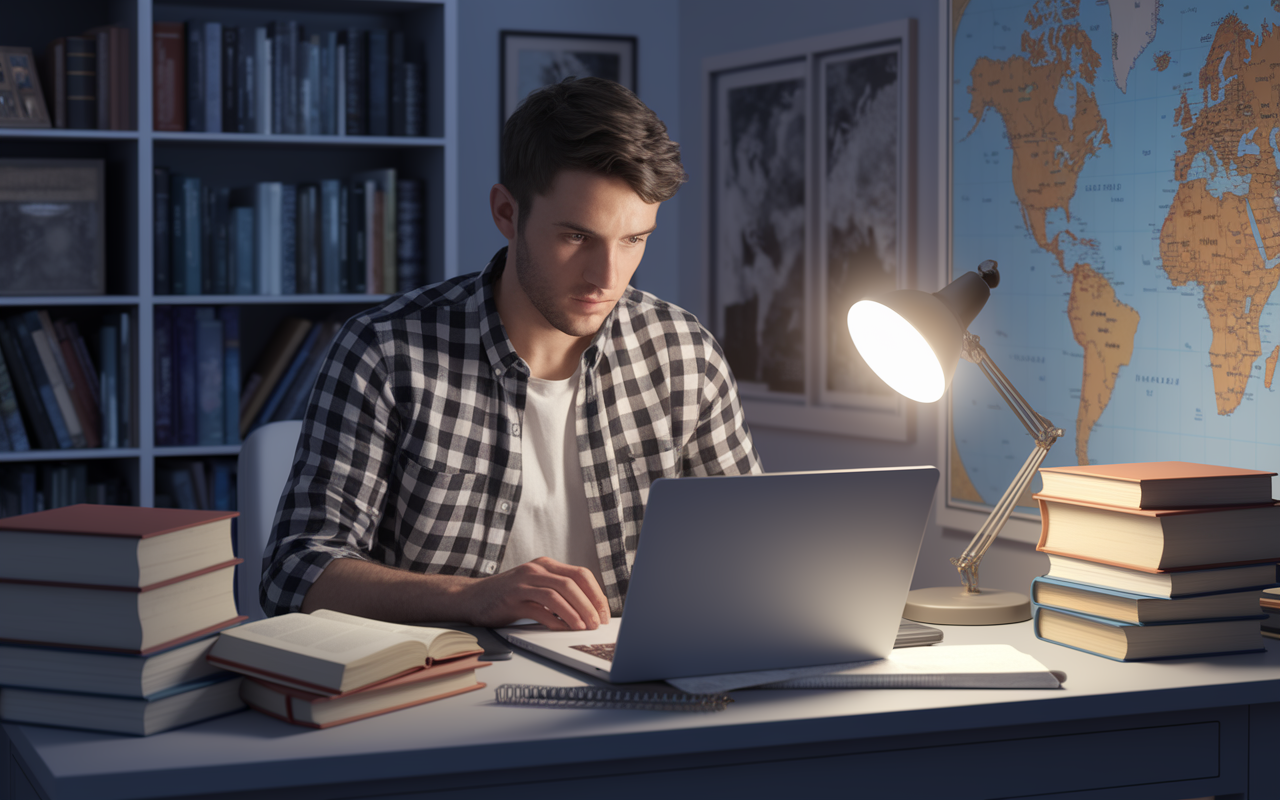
(517, 694)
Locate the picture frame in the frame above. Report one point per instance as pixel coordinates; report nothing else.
(21, 98)
(53, 213)
(810, 207)
(533, 59)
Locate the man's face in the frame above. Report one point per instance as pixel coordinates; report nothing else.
(580, 245)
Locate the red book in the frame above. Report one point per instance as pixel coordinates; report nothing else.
(313, 710)
(1158, 484)
(169, 76)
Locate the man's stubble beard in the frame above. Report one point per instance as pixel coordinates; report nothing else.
(541, 294)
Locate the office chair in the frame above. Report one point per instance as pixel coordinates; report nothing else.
(265, 460)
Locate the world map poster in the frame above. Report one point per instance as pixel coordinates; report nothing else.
(1121, 162)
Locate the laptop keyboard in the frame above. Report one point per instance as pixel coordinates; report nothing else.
(604, 651)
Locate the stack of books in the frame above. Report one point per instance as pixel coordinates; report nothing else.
(1155, 560)
(110, 611)
(327, 668)
(88, 80)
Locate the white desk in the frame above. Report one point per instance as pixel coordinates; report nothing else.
(1165, 731)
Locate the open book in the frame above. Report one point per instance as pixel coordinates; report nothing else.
(331, 653)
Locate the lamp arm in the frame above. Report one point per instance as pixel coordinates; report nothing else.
(1042, 431)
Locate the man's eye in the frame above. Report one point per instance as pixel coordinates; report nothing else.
(635, 240)
(577, 237)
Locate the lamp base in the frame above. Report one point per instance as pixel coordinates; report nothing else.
(954, 605)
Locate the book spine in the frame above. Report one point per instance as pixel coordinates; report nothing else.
(223, 495)
(409, 248)
(103, 74)
(6, 445)
(196, 81)
(178, 235)
(413, 100)
(124, 387)
(262, 80)
(77, 381)
(230, 79)
(329, 84)
(56, 87)
(379, 83)
(356, 83)
(209, 374)
(288, 239)
(192, 268)
(221, 240)
(230, 316)
(397, 84)
(374, 200)
(281, 388)
(9, 412)
(187, 400)
(169, 76)
(213, 77)
(243, 245)
(122, 114)
(312, 71)
(246, 81)
(57, 381)
(389, 233)
(340, 90)
(208, 268)
(358, 237)
(25, 386)
(163, 213)
(41, 381)
(330, 239)
(82, 82)
(108, 381)
(164, 393)
(344, 238)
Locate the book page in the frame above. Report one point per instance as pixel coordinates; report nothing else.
(427, 636)
(309, 634)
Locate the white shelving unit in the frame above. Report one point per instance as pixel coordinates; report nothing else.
(228, 159)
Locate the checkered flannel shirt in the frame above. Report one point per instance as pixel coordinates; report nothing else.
(410, 453)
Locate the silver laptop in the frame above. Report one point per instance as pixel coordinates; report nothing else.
(755, 572)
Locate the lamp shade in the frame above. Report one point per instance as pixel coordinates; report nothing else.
(912, 339)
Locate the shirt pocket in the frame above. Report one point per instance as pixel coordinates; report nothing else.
(441, 514)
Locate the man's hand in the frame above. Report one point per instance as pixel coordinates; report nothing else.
(560, 596)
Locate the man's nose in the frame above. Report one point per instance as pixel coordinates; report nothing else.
(605, 268)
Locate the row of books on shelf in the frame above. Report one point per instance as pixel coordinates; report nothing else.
(282, 78)
(27, 488)
(1156, 560)
(363, 235)
(52, 393)
(132, 627)
(200, 399)
(88, 81)
(197, 484)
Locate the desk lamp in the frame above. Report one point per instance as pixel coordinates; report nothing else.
(912, 340)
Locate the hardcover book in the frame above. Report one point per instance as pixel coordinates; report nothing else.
(1155, 540)
(328, 652)
(1158, 484)
(1137, 608)
(1162, 584)
(82, 82)
(169, 76)
(1125, 641)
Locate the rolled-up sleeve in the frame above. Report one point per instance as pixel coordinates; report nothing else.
(336, 490)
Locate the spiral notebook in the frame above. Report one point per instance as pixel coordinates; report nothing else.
(755, 572)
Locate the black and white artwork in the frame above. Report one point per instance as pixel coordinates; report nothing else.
(809, 205)
(52, 214)
(533, 60)
(760, 227)
(860, 209)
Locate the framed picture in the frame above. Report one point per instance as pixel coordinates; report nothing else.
(810, 210)
(532, 60)
(21, 100)
(52, 214)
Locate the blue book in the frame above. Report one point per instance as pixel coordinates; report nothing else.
(108, 382)
(379, 83)
(44, 387)
(1128, 641)
(196, 83)
(1122, 606)
(9, 413)
(290, 374)
(288, 239)
(295, 400)
(330, 237)
(223, 486)
(243, 250)
(184, 348)
(164, 378)
(209, 372)
(187, 250)
(230, 316)
(25, 385)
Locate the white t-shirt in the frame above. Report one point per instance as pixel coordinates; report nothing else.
(551, 519)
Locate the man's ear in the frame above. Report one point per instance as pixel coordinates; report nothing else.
(505, 211)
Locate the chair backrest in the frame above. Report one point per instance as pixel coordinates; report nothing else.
(265, 460)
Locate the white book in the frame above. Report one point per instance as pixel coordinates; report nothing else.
(268, 197)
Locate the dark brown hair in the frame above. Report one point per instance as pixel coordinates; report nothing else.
(593, 125)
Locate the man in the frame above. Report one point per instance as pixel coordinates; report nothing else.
(481, 450)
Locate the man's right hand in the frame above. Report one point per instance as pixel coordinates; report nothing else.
(560, 596)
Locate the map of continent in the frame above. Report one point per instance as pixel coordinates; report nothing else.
(1121, 162)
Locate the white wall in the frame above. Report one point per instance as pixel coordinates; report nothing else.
(479, 22)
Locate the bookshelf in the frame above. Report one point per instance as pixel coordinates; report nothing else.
(225, 159)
